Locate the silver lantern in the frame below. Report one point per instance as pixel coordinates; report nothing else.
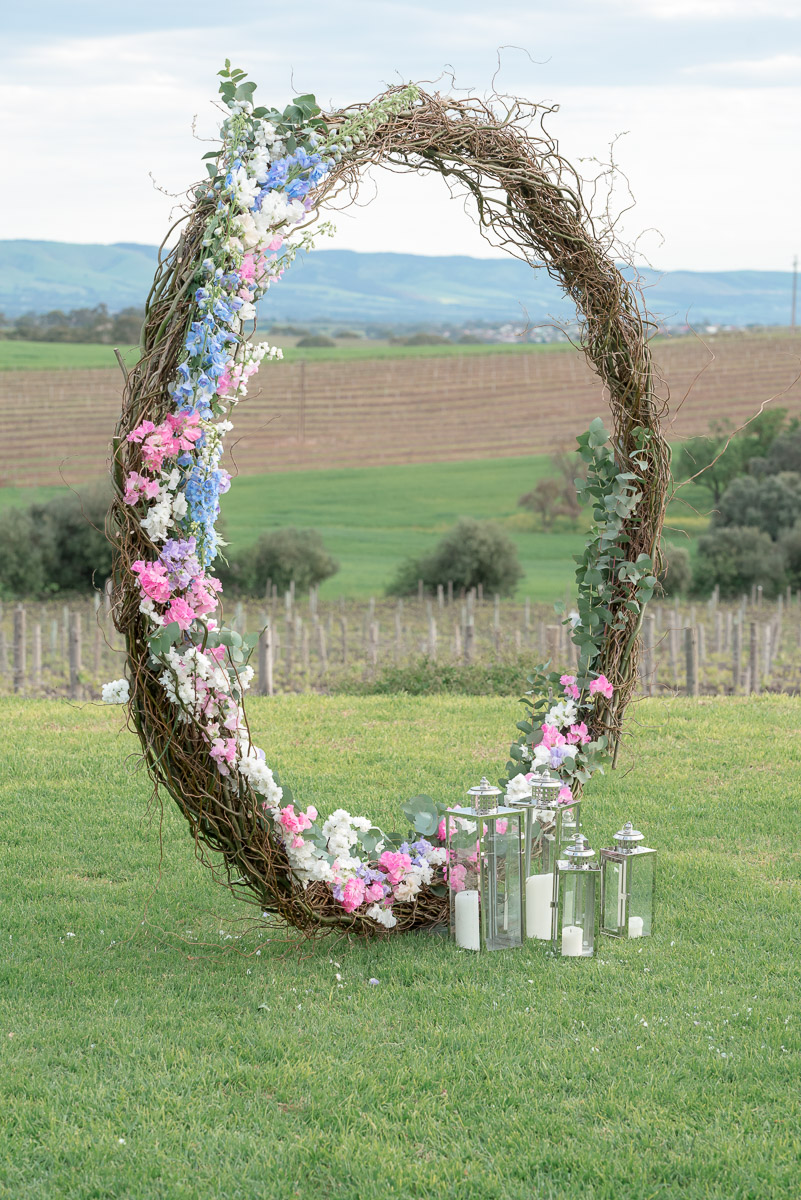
(484, 841)
(628, 877)
(576, 894)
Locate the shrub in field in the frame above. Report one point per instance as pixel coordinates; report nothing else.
(734, 558)
(677, 575)
(428, 677)
(316, 341)
(281, 555)
(59, 546)
(783, 455)
(472, 553)
(790, 545)
(772, 504)
(716, 463)
(22, 564)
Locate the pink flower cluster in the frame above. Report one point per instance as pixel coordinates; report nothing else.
(295, 823)
(199, 599)
(602, 687)
(138, 486)
(176, 435)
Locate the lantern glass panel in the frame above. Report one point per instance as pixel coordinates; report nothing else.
(641, 871)
(485, 877)
(501, 884)
(613, 917)
(576, 924)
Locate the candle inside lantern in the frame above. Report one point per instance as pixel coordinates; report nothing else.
(635, 927)
(467, 920)
(539, 893)
(572, 941)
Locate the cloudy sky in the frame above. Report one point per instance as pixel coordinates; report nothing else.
(704, 97)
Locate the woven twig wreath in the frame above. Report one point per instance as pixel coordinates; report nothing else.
(187, 675)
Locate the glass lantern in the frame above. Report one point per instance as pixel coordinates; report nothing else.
(628, 876)
(485, 871)
(576, 889)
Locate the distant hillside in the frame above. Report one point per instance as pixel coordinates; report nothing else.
(343, 285)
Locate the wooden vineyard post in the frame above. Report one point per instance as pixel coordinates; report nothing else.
(19, 648)
(399, 631)
(322, 648)
(450, 591)
(374, 636)
(36, 655)
(343, 627)
(432, 638)
(440, 596)
(753, 659)
(266, 662)
(736, 656)
(691, 660)
(3, 655)
(469, 637)
(75, 655)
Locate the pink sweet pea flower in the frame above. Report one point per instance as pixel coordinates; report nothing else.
(223, 751)
(353, 894)
(441, 830)
(568, 682)
(579, 735)
(217, 653)
(456, 877)
(603, 686)
(180, 612)
(152, 580)
(296, 822)
(565, 795)
(137, 486)
(374, 892)
(552, 737)
(395, 864)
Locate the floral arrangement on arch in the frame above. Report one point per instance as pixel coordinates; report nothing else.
(248, 223)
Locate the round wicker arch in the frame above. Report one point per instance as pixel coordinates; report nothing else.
(529, 200)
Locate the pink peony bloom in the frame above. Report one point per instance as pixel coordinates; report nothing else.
(180, 612)
(579, 735)
(395, 864)
(552, 737)
(603, 686)
(152, 580)
(353, 894)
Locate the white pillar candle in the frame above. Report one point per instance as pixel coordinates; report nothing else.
(572, 940)
(539, 893)
(466, 920)
(635, 926)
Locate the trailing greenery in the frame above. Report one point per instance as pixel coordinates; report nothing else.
(660, 1068)
(473, 553)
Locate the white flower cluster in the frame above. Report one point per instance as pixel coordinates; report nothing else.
(167, 509)
(562, 715)
(383, 916)
(518, 788)
(116, 692)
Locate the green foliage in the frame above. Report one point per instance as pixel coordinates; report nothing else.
(79, 325)
(719, 463)
(428, 677)
(472, 553)
(58, 546)
(771, 504)
(172, 1034)
(783, 455)
(22, 561)
(606, 581)
(734, 558)
(281, 556)
(677, 574)
(316, 341)
(790, 546)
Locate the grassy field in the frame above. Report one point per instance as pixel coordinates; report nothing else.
(149, 1052)
(372, 518)
(64, 356)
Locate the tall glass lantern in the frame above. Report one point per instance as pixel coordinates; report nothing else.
(576, 892)
(627, 885)
(485, 871)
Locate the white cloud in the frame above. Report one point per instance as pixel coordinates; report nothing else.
(704, 10)
(107, 111)
(778, 68)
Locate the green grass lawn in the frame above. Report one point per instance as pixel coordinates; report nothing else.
(150, 1052)
(58, 356)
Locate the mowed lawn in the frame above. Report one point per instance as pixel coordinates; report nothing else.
(150, 1051)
